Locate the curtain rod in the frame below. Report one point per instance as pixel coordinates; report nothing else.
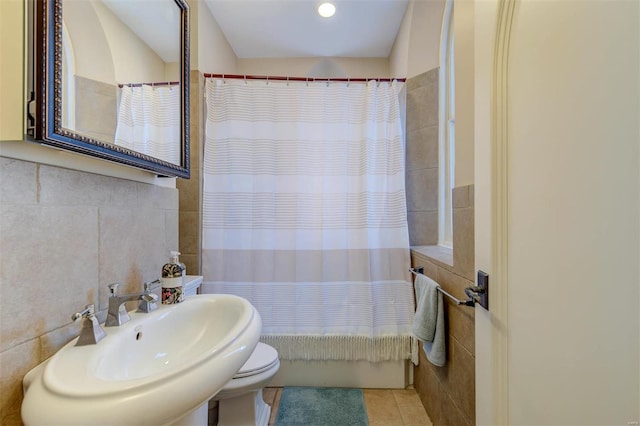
(159, 83)
(307, 79)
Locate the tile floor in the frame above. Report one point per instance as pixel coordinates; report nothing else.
(385, 407)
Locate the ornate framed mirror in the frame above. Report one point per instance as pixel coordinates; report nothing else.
(111, 80)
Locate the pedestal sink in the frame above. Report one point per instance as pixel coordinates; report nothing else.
(157, 369)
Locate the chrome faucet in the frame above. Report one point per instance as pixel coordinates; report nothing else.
(117, 313)
(91, 332)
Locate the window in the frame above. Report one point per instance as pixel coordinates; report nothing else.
(446, 167)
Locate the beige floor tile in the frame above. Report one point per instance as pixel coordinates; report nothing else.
(274, 406)
(411, 408)
(269, 395)
(385, 407)
(382, 408)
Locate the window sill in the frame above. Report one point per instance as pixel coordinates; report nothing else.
(441, 256)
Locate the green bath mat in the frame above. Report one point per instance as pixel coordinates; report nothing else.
(302, 406)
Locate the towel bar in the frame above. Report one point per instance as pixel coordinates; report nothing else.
(469, 302)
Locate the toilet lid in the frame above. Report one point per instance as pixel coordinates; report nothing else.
(262, 358)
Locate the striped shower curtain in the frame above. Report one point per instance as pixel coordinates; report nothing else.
(149, 121)
(304, 214)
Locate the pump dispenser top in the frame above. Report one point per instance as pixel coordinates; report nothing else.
(175, 259)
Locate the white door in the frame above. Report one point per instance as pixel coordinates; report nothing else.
(557, 211)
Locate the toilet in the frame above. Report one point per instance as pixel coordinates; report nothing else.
(240, 401)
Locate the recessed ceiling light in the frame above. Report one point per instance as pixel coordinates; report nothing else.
(326, 10)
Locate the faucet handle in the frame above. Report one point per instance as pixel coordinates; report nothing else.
(91, 332)
(113, 289)
(149, 285)
(88, 312)
(148, 302)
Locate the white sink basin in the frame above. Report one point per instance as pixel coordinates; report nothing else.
(154, 369)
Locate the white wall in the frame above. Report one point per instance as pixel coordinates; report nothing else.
(133, 60)
(91, 48)
(400, 50)
(573, 206)
(417, 46)
(417, 50)
(424, 45)
(210, 50)
(316, 67)
(107, 50)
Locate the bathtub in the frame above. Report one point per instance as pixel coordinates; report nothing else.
(351, 374)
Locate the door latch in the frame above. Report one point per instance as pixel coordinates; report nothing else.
(480, 292)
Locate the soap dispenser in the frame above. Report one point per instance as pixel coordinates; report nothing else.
(172, 281)
(184, 267)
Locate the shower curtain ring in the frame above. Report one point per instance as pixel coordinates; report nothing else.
(245, 79)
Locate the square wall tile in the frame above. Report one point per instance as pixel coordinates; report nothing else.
(132, 248)
(417, 81)
(172, 229)
(14, 364)
(422, 190)
(460, 197)
(414, 109)
(154, 196)
(18, 181)
(192, 262)
(189, 232)
(96, 107)
(464, 242)
(428, 388)
(423, 228)
(63, 187)
(422, 148)
(189, 192)
(50, 259)
(461, 381)
(450, 414)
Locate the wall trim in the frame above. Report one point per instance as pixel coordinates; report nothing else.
(500, 212)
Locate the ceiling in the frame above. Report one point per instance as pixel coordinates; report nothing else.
(292, 28)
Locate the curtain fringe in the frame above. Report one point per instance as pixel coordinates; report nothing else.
(344, 348)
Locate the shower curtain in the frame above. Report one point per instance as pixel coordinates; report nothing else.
(149, 121)
(304, 214)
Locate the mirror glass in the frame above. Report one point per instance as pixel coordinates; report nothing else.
(115, 80)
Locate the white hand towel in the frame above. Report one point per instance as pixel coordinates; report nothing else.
(428, 321)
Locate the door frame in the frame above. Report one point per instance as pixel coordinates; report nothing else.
(493, 27)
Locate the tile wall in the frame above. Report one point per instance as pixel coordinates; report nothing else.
(96, 107)
(191, 189)
(64, 236)
(422, 158)
(448, 393)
